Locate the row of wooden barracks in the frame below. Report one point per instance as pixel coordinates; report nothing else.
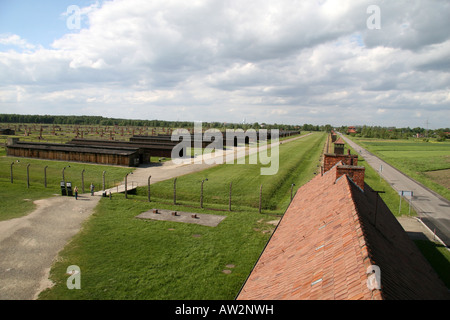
(138, 150)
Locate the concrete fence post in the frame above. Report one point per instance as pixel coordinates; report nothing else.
(45, 176)
(28, 175)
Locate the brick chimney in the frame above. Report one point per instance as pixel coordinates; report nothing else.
(356, 173)
(330, 159)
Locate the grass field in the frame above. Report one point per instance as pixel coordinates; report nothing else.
(426, 162)
(18, 198)
(390, 196)
(122, 257)
(299, 162)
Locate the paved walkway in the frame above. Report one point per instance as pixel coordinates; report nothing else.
(30, 244)
(432, 209)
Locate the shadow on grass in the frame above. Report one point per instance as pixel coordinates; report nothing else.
(438, 256)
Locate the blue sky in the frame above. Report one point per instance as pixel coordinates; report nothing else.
(38, 22)
(284, 61)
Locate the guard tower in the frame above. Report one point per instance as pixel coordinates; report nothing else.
(339, 146)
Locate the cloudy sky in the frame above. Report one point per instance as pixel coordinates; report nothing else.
(273, 61)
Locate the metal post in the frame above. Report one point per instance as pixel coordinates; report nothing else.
(103, 175)
(410, 199)
(149, 188)
(45, 176)
(64, 179)
(292, 187)
(126, 178)
(175, 191)
(12, 163)
(28, 175)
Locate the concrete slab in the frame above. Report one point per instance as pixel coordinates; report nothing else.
(209, 220)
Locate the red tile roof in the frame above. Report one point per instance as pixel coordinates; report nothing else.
(325, 242)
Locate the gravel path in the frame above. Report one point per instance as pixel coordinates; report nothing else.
(29, 245)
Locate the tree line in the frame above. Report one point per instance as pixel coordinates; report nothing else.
(103, 121)
(398, 133)
(83, 120)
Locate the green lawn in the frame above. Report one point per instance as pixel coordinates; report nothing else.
(298, 162)
(390, 196)
(122, 257)
(426, 162)
(18, 198)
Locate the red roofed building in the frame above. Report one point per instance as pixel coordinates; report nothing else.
(334, 233)
(351, 130)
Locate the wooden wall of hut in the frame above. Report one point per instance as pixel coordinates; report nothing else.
(108, 159)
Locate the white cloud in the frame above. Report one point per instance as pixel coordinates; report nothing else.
(15, 41)
(277, 61)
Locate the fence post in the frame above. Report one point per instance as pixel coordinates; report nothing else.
(103, 176)
(11, 174)
(45, 176)
(28, 175)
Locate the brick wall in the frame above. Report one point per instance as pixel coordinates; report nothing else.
(354, 172)
(330, 159)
